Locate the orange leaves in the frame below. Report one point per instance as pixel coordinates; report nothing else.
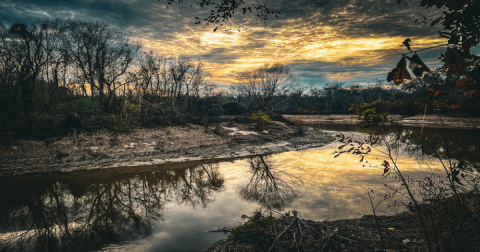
(468, 87)
(439, 92)
(454, 106)
(461, 81)
(400, 73)
(436, 92)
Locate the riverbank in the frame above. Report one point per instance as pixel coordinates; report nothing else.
(274, 231)
(101, 150)
(429, 121)
(293, 233)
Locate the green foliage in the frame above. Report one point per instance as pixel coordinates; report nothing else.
(234, 108)
(370, 118)
(302, 111)
(214, 110)
(256, 230)
(381, 106)
(81, 105)
(259, 118)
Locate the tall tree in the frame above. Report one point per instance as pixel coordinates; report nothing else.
(263, 84)
(102, 54)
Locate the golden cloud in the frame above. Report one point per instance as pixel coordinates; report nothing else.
(228, 53)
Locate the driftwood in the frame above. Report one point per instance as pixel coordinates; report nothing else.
(298, 234)
(278, 237)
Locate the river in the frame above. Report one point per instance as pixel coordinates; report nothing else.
(172, 209)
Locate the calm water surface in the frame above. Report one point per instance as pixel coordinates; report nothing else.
(161, 208)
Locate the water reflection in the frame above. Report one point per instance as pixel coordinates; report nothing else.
(460, 144)
(271, 188)
(108, 209)
(85, 211)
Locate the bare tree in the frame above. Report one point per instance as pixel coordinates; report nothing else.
(102, 54)
(25, 53)
(263, 84)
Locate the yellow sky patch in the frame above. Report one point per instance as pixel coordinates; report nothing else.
(235, 52)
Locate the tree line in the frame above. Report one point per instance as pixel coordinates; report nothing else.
(49, 62)
(51, 68)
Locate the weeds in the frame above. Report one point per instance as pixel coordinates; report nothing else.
(445, 206)
(299, 126)
(257, 230)
(260, 119)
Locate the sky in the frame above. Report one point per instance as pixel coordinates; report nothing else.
(353, 41)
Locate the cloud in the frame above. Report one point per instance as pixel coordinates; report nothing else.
(351, 40)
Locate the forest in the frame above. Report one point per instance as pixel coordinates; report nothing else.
(61, 74)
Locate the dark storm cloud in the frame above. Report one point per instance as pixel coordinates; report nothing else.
(304, 35)
(139, 17)
(359, 17)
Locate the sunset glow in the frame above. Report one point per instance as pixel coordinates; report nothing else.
(354, 41)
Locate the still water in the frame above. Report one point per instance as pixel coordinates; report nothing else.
(171, 207)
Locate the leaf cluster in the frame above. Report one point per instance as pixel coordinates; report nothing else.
(224, 10)
(259, 118)
(370, 118)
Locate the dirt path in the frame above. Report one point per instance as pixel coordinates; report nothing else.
(102, 150)
(430, 121)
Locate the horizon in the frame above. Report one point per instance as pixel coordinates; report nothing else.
(354, 42)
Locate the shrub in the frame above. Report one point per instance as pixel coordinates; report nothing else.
(255, 230)
(214, 110)
(380, 106)
(234, 108)
(401, 107)
(81, 105)
(300, 128)
(259, 118)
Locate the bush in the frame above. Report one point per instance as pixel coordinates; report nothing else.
(214, 110)
(401, 107)
(259, 118)
(234, 108)
(255, 230)
(380, 106)
(81, 105)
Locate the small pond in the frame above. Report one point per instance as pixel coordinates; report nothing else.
(172, 208)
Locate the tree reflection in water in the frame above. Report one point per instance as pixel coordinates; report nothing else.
(269, 186)
(430, 144)
(86, 211)
(463, 144)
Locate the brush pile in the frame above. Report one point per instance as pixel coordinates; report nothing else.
(290, 232)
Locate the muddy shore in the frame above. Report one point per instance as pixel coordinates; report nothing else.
(81, 151)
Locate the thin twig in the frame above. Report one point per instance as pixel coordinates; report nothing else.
(278, 237)
(301, 232)
(378, 226)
